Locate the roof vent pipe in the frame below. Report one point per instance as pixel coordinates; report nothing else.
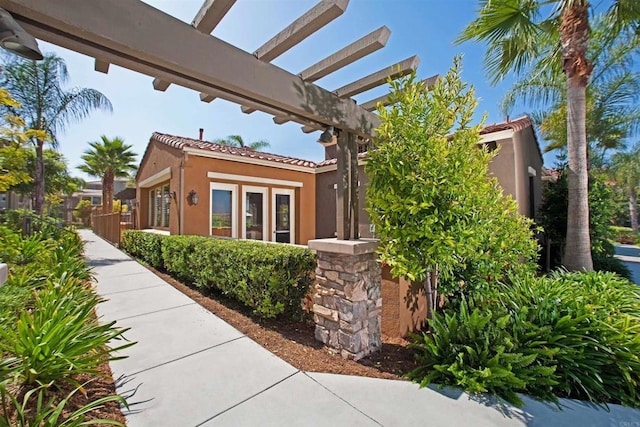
(201, 133)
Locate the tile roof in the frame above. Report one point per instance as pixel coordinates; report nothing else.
(181, 143)
(335, 161)
(516, 124)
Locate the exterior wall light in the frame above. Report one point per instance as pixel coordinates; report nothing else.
(192, 197)
(16, 40)
(328, 137)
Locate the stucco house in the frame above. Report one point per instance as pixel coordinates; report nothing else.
(191, 186)
(517, 166)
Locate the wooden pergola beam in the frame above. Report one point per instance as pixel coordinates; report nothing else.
(384, 99)
(314, 19)
(134, 35)
(360, 48)
(210, 14)
(369, 105)
(101, 66)
(378, 78)
(208, 17)
(347, 55)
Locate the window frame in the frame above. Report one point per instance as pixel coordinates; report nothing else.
(265, 210)
(233, 188)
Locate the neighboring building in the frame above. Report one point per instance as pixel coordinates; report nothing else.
(190, 186)
(13, 200)
(517, 166)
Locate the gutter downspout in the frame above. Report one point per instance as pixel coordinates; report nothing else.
(181, 194)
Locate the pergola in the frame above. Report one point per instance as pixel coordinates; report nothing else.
(134, 35)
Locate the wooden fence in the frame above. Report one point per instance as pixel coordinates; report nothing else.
(110, 226)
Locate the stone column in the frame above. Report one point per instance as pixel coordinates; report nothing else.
(347, 302)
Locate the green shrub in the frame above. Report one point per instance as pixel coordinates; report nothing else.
(583, 328)
(473, 349)
(61, 336)
(143, 245)
(552, 214)
(271, 279)
(611, 264)
(624, 235)
(14, 299)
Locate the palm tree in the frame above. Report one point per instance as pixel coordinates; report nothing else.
(108, 159)
(518, 36)
(625, 168)
(46, 105)
(237, 141)
(613, 113)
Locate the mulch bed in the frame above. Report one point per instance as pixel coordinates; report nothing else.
(295, 343)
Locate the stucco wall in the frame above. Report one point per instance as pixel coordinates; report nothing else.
(196, 217)
(529, 157)
(157, 158)
(502, 166)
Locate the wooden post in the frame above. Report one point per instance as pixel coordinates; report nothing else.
(343, 220)
(353, 186)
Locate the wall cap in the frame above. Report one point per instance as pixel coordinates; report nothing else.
(347, 247)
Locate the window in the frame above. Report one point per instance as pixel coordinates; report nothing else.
(159, 206)
(224, 210)
(96, 200)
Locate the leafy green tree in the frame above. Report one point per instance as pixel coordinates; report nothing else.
(519, 35)
(625, 168)
(108, 159)
(13, 146)
(46, 105)
(552, 214)
(237, 141)
(58, 180)
(435, 209)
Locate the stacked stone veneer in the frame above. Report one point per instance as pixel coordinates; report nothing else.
(347, 303)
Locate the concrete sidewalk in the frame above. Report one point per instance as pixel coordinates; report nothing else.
(630, 255)
(190, 368)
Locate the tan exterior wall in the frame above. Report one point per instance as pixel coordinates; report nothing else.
(404, 305)
(195, 178)
(157, 158)
(528, 157)
(190, 172)
(502, 166)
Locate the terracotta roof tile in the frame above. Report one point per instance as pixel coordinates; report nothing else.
(335, 161)
(181, 143)
(516, 124)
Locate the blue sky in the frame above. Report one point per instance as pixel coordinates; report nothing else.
(423, 27)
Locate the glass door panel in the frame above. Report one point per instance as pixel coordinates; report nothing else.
(254, 216)
(283, 209)
(221, 213)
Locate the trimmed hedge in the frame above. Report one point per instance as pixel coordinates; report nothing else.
(145, 246)
(269, 278)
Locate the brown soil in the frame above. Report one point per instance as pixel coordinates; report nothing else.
(295, 343)
(95, 388)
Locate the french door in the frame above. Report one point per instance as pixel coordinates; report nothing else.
(283, 215)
